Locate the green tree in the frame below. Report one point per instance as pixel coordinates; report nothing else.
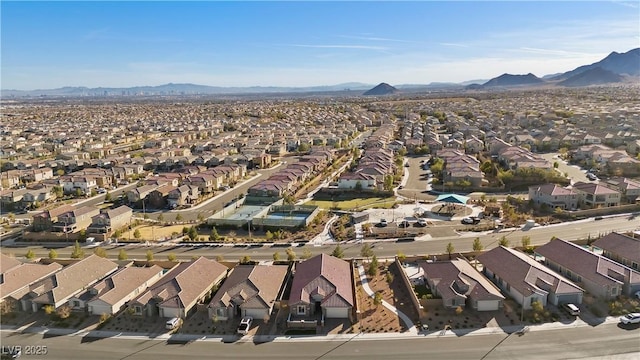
(338, 252)
(306, 254)
(192, 233)
(477, 245)
(291, 255)
(53, 254)
(99, 251)
(366, 251)
(526, 241)
(245, 259)
(200, 217)
(377, 299)
(149, 255)
(304, 147)
(388, 182)
(171, 257)
(57, 191)
(179, 217)
(122, 255)
(269, 235)
(30, 254)
(450, 249)
(276, 256)
(160, 217)
(373, 266)
(78, 192)
(77, 252)
(214, 234)
(136, 234)
(358, 186)
(107, 197)
(503, 241)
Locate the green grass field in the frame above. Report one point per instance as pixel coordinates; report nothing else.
(355, 204)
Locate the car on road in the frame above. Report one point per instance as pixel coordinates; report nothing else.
(470, 220)
(245, 324)
(571, 309)
(422, 222)
(592, 177)
(383, 223)
(404, 224)
(632, 318)
(637, 294)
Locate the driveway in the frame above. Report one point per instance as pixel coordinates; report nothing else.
(575, 173)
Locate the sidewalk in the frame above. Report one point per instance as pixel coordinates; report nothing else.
(415, 334)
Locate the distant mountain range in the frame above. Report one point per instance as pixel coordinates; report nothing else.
(615, 68)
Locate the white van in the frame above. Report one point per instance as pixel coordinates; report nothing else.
(172, 323)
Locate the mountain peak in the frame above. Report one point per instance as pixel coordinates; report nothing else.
(513, 80)
(381, 89)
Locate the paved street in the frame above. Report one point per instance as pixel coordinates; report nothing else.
(574, 172)
(428, 245)
(568, 342)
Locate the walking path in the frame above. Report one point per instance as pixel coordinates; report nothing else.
(365, 285)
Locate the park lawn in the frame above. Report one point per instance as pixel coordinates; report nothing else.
(360, 204)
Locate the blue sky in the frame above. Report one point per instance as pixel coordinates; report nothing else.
(121, 44)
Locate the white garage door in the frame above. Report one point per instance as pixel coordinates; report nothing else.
(255, 313)
(488, 305)
(337, 313)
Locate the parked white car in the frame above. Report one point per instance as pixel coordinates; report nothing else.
(632, 318)
(245, 324)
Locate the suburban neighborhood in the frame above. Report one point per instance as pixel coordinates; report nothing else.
(129, 226)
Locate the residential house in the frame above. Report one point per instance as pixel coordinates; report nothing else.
(158, 198)
(526, 280)
(357, 180)
(44, 221)
(110, 220)
(58, 288)
(322, 287)
(179, 290)
(554, 196)
(594, 195)
(111, 294)
(140, 193)
(460, 284)
(16, 278)
(597, 274)
(76, 219)
(630, 189)
(620, 248)
(9, 179)
(183, 195)
(250, 290)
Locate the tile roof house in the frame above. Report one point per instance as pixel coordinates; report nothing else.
(554, 196)
(250, 290)
(58, 288)
(16, 277)
(179, 290)
(459, 284)
(621, 248)
(110, 220)
(526, 280)
(111, 294)
(630, 189)
(596, 195)
(597, 274)
(322, 285)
